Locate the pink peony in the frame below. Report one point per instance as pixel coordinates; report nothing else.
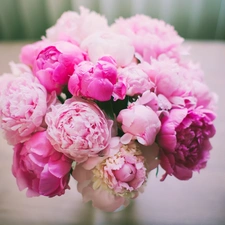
(23, 107)
(74, 28)
(114, 181)
(107, 43)
(139, 122)
(78, 128)
(135, 80)
(150, 37)
(184, 141)
(94, 81)
(55, 64)
(30, 52)
(204, 97)
(39, 168)
(200, 91)
(170, 80)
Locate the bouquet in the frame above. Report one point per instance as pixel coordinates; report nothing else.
(105, 105)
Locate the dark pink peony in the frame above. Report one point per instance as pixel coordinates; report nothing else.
(38, 167)
(94, 81)
(184, 141)
(55, 64)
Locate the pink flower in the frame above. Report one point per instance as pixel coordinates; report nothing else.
(105, 43)
(94, 81)
(204, 97)
(114, 181)
(170, 80)
(78, 128)
(23, 107)
(30, 52)
(200, 91)
(150, 37)
(55, 64)
(39, 168)
(184, 141)
(74, 28)
(139, 122)
(135, 80)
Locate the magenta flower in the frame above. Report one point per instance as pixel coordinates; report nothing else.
(115, 180)
(55, 64)
(139, 122)
(23, 107)
(39, 168)
(184, 141)
(78, 128)
(94, 81)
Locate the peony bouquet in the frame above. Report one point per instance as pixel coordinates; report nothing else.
(105, 105)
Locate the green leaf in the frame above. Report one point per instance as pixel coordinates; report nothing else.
(119, 105)
(107, 107)
(157, 171)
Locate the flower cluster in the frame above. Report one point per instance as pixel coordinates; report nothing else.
(105, 105)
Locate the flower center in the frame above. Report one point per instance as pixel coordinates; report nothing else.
(126, 173)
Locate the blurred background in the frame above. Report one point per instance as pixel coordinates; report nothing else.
(193, 19)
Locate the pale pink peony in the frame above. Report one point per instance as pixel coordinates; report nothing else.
(94, 81)
(24, 103)
(38, 167)
(55, 64)
(139, 122)
(78, 128)
(170, 80)
(114, 181)
(150, 37)
(204, 97)
(184, 141)
(75, 28)
(135, 79)
(107, 43)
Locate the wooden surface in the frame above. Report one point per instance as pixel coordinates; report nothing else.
(199, 201)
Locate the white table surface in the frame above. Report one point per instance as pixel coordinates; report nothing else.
(199, 201)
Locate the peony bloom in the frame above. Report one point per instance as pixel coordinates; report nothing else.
(107, 43)
(23, 107)
(204, 97)
(94, 81)
(39, 168)
(78, 128)
(55, 64)
(199, 90)
(135, 80)
(114, 181)
(150, 37)
(184, 141)
(170, 80)
(139, 122)
(75, 28)
(30, 52)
